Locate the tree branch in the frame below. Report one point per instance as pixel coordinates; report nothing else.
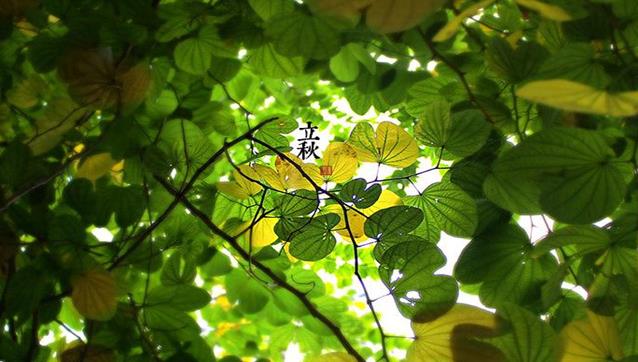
(312, 309)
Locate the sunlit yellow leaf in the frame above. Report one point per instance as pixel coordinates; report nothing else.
(95, 166)
(549, 11)
(339, 162)
(290, 257)
(594, 339)
(333, 357)
(453, 25)
(390, 145)
(356, 219)
(578, 97)
(94, 294)
(451, 337)
(286, 176)
(243, 185)
(262, 233)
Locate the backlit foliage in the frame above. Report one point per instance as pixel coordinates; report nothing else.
(153, 205)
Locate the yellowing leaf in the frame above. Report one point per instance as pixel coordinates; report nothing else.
(390, 145)
(451, 337)
(96, 166)
(356, 220)
(333, 357)
(96, 79)
(391, 16)
(383, 16)
(594, 339)
(243, 185)
(453, 25)
(262, 233)
(94, 294)
(339, 162)
(578, 97)
(286, 176)
(552, 12)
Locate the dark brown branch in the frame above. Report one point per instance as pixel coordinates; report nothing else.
(185, 189)
(344, 208)
(460, 74)
(312, 309)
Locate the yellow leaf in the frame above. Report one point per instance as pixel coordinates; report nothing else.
(391, 16)
(96, 166)
(94, 294)
(244, 184)
(390, 145)
(594, 339)
(97, 80)
(578, 97)
(453, 25)
(333, 357)
(262, 233)
(286, 176)
(356, 220)
(451, 337)
(290, 257)
(552, 12)
(339, 163)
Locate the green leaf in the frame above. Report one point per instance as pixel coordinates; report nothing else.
(128, 203)
(499, 259)
(521, 197)
(250, 295)
(579, 178)
(586, 238)
(355, 191)
(266, 9)
(300, 203)
(393, 221)
(528, 340)
(345, 65)
(448, 208)
(178, 270)
(517, 64)
(298, 34)
(407, 269)
(167, 318)
(423, 93)
(194, 55)
(315, 240)
(576, 62)
(461, 133)
(267, 61)
(182, 297)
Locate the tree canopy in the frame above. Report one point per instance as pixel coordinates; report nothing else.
(155, 205)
